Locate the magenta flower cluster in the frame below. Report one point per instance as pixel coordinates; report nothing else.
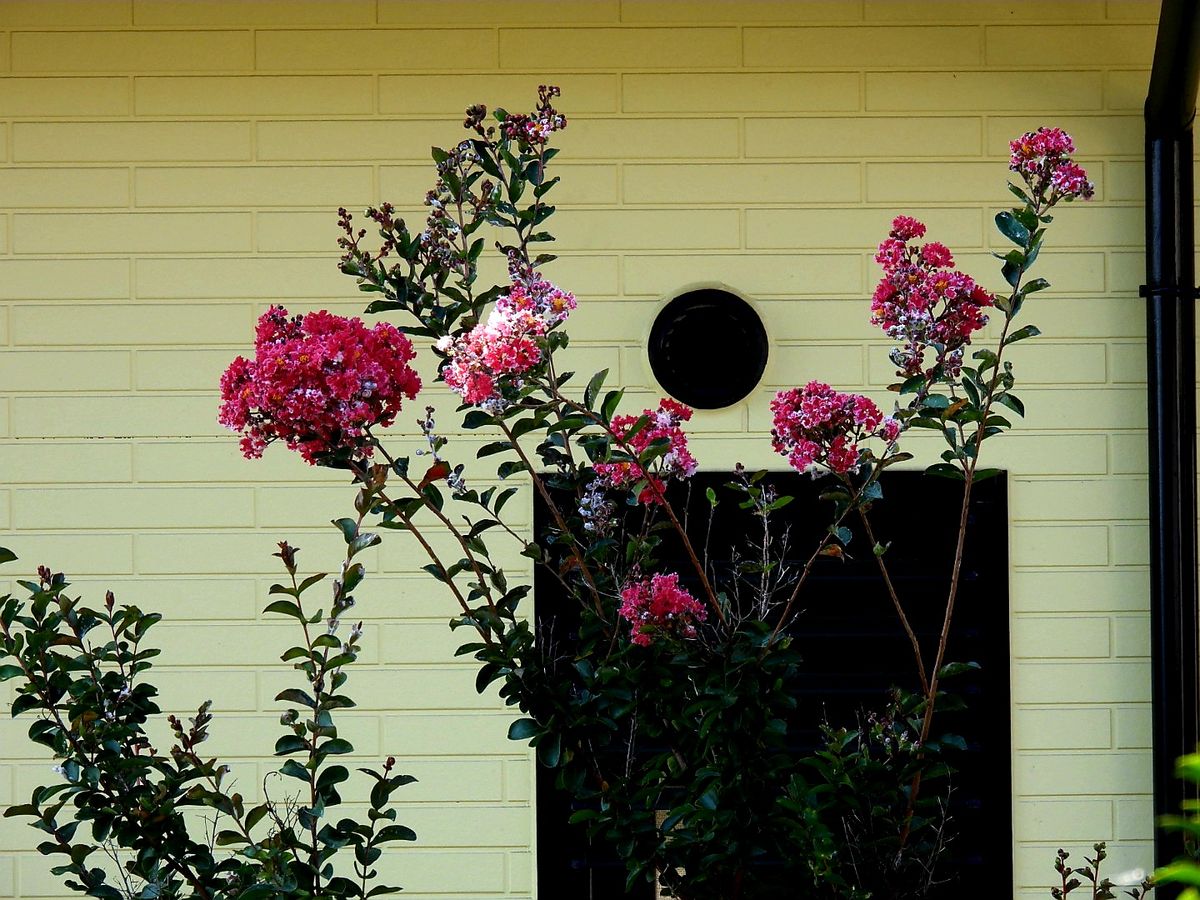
(923, 302)
(489, 360)
(1043, 160)
(663, 424)
(658, 606)
(317, 382)
(817, 426)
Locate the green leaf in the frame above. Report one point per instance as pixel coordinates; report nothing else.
(395, 833)
(477, 418)
(945, 470)
(1012, 229)
(611, 400)
(951, 669)
(295, 695)
(502, 498)
(491, 449)
(310, 581)
(593, 388)
(1021, 334)
(336, 745)
(294, 770)
(1019, 193)
(255, 816)
(549, 750)
(522, 730)
(331, 776)
(7, 672)
(509, 468)
(957, 741)
(287, 608)
(289, 743)
(1012, 402)
(6, 555)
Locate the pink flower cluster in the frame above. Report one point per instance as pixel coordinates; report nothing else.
(494, 355)
(317, 382)
(664, 423)
(658, 605)
(1043, 159)
(534, 129)
(818, 426)
(923, 302)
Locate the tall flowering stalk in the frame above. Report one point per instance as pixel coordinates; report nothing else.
(666, 706)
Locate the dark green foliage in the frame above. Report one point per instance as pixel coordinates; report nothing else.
(84, 675)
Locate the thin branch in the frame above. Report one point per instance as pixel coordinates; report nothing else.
(891, 589)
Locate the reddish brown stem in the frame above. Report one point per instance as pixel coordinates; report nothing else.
(891, 589)
(558, 519)
(429, 551)
(710, 594)
(441, 517)
(955, 574)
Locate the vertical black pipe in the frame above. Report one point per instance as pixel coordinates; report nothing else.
(1170, 351)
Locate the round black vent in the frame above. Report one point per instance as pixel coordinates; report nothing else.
(708, 348)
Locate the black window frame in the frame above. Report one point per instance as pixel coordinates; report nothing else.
(919, 515)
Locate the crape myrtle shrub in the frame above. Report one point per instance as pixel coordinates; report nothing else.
(667, 719)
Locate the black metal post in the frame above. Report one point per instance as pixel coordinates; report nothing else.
(1170, 349)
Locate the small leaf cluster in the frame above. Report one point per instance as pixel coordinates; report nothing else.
(124, 820)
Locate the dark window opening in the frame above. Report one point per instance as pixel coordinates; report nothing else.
(708, 348)
(854, 651)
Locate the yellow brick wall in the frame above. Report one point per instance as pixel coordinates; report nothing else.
(170, 168)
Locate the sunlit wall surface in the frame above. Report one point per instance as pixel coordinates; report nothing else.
(173, 167)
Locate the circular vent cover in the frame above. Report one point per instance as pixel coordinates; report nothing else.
(708, 348)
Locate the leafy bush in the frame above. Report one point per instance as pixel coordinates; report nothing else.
(160, 820)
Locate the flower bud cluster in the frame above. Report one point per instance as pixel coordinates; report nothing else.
(663, 424)
(487, 363)
(317, 382)
(455, 479)
(658, 606)
(354, 257)
(534, 130)
(924, 303)
(817, 426)
(441, 240)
